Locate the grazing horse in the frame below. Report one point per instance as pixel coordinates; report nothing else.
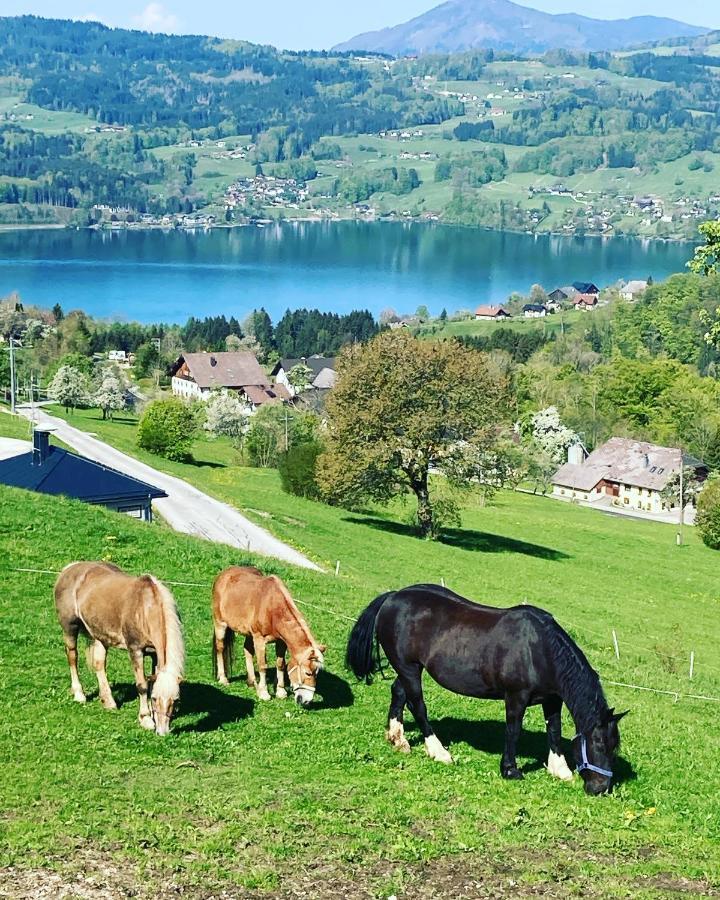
(139, 615)
(247, 602)
(519, 655)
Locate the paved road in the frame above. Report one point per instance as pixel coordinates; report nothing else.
(186, 508)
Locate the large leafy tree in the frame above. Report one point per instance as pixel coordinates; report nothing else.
(110, 395)
(402, 408)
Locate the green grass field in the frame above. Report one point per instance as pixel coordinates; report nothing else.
(264, 799)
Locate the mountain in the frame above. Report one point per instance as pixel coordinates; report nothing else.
(502, 25)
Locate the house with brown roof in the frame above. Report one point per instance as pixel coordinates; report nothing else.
(195, 375)
(491, 313)
(623, 472)
(584, 301)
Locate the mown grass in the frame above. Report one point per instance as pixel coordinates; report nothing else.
(245, 792)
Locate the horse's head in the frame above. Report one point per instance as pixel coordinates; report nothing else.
(595, 751)
(165, 692)
(303, 672)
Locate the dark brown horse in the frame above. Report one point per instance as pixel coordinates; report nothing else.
(519, 655)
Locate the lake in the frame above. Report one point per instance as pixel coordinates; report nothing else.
(168, 276)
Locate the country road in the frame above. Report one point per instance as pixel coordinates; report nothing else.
(186, 508)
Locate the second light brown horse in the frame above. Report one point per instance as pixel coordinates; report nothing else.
(260, 607)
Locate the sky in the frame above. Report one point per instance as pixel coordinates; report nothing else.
(317, 24)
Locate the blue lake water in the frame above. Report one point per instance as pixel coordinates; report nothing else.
(157, 276)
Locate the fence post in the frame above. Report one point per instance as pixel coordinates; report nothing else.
(692, 664)
(337, 568)
(442, 581)
(615, 644)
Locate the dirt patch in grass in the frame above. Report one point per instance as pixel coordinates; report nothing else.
(471, 876)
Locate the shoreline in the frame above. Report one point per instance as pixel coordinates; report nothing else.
(264, 223)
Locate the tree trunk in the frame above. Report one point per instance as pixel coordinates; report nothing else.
(424, 508)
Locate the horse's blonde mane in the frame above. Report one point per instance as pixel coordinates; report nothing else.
(299, 617)
(170, 675)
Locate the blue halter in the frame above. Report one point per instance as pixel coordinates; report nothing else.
(585, 763)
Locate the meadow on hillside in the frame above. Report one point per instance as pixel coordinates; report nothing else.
(266, 796)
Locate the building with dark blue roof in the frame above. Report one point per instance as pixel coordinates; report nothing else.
(52, 470)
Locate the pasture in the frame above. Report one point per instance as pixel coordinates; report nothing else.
(264, 799)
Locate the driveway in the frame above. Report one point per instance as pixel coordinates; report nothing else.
(186, 508)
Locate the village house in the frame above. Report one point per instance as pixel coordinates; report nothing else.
(495, 313)
(46, 469)
(622, 472)
(534, 310)
(322, 368)
(633, 290)
(584, 301)
(585, 287)
(195, 375)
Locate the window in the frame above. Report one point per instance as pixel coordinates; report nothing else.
(654, 468)
(660, 471)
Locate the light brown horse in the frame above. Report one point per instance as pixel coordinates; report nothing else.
(247, 602)
(139, 615)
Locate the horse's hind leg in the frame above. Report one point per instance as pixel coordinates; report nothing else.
(515, 706)
(411, 680)
(260, 644)
(396, 730)
(556, 765)
(145, 716)
(98, 654)
(71, 638)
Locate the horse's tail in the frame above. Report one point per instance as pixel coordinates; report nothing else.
(171, 653)
(228, 653)
(359, 657)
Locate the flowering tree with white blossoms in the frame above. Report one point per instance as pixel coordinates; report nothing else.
(225, 414)
(69, 387)
(549, 441)
(110, 395)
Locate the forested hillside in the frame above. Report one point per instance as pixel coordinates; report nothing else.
(115, 128)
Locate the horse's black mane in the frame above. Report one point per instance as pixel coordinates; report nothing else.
(579, 683)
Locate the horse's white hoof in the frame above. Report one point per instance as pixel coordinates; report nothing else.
(224, 682)
(281, 694)
(147, 722)
(436, 751)
(79, 698)
(558, 767)
(108, 703)
(264, 695)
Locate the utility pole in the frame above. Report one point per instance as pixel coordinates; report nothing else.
(12, 374)
(682, 501)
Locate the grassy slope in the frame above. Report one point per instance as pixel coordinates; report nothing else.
(326, 779)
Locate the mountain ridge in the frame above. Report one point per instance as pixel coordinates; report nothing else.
(459, 25)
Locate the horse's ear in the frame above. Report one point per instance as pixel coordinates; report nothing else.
(617, 716)
(322, 648)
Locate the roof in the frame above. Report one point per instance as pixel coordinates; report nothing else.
(65, 473)
(586, 287)
(625, 461)
(325, 379)
(265, 393)
(491, 311)
(635, 287)
(228, 369)
(315, 363)
(534, 307)
(558, 293)
(586, 299)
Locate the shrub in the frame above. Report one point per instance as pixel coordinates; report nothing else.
(708, 514)
(167, 428)
(297, 470)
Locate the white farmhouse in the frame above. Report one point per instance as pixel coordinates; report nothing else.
(195, 375)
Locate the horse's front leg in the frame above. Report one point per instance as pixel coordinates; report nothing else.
(556, 765)
(515, 706)
(145, 716)
(262, 691)
(411, 681)
(280, 650)
(98, 653)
